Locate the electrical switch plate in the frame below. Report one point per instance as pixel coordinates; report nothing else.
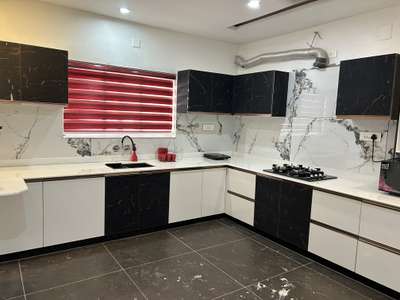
(208, 127)
(136, 43)
(365, 136)
(332, 53)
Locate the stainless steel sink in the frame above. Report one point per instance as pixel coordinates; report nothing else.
(128, 165)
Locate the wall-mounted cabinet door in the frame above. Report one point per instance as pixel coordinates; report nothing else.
(221, 93)
(21, 220)
(369, 86)
(10, 71)
(73, 210)
(30, 73)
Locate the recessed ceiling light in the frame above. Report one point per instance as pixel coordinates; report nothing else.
(254, 4)
(124, 10)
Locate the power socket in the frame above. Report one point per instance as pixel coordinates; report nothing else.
(365, 136)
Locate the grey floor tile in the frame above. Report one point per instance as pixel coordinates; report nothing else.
(184, 277)
(348, 282)
(236, 226)
(243, 294)
(206, 234)
(10, 280)
(143, 249)
(51, 270)
(281, 249)
(303, 283)
(109, 287)
(248, 261)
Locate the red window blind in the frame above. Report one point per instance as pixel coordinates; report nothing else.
(105, 99)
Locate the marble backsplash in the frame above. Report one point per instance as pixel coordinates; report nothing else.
(310, 133)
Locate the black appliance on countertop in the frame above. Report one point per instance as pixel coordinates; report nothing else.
(216, 156)
(389, 179)
(300, 172)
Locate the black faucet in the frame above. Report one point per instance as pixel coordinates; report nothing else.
(129, 138)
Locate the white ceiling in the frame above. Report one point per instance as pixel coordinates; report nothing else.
(211, 18)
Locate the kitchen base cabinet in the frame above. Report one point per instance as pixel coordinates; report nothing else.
(239, 208)
(136, 202)
(283, 210)
(213, 192)
(21, 220)
(379, 265)
(185, 196)
(333, 246)
(73, 210)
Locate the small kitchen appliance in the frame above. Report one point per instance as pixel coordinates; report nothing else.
(389, 179)
(216, 156)
(300, 172)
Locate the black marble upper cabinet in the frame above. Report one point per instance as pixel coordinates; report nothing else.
(261, 93)
(283, 209)
(200, 91)
(30, 73)
(136, 202)
(370, 86)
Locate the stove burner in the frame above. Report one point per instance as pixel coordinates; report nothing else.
(300, 172)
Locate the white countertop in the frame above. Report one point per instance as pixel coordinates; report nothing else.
(12, 179)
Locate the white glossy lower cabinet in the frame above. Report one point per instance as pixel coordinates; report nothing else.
(336, 211)
(333, 246)
(239, 208)
(242, 183)
(185, 195)
(379, 265)
(73, 210)
(381, 225)
(21, 220)
(213, 198)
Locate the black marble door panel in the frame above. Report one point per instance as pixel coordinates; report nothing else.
(153, 194)
(262, 93)
(294, 213)
(10, 71)
(200, 91)
(281, 84)
(241, 93)
(122, 205)
(44, 74)
(266, 214)
(222, 93)
(367, 86)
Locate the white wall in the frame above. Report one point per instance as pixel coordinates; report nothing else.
(96, 38)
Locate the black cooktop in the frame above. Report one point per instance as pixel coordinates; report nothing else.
(300, 172)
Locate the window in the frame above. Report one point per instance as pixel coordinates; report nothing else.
(107, 101)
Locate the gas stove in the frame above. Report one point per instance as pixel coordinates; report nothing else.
(300, 172)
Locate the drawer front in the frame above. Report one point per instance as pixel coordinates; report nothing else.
(380, 225)
(333, 246)
(242, 183)
(239, 208)
(379, 265)
(336, 211)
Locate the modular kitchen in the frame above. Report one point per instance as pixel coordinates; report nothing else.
(226, 149)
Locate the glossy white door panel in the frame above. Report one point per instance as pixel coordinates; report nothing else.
(239, 208)
(380, 225)
(213, 196)
(21, 220)
(379, 265)
(185, 195)
(73, 210)
(333, 246)
(336, 211)
(242, 183)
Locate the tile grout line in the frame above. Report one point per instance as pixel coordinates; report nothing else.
(221, 244)
(158, 260)
(216, 267)
(70, 283)
(126, 273)
(22, 279)
(268, 278)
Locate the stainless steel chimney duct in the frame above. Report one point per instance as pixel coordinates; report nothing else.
(320, 55)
